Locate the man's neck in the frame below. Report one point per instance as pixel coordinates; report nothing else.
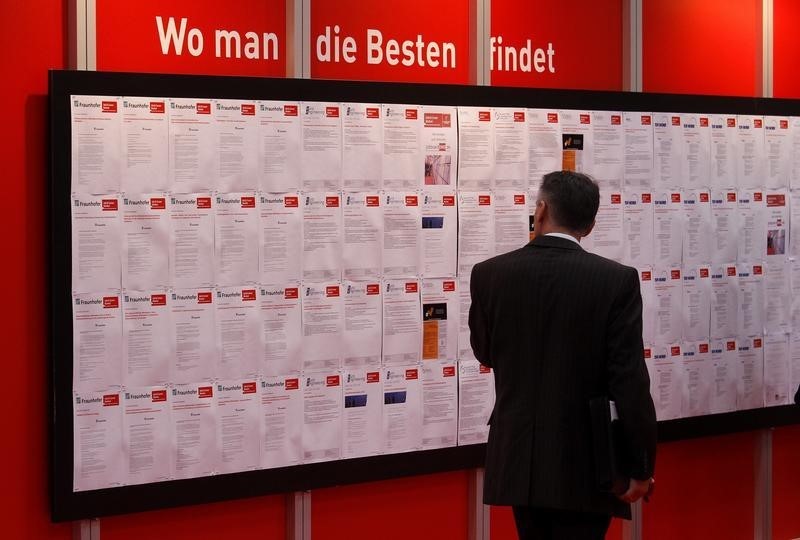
(560, 230)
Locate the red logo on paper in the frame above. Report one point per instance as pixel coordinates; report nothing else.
(291, 201)
(373, 112)
(203, 202)
(158, 299)
(646, 198)
(373, 289)
(757, 122)
(585, 119)
(373, 376)
(110, 205)
(676, 120)
(616, 120)
(784, 124)
(412, 200)
(448, 200)
(248, 295)
(648, 353)
(616, 198)
(291, 293)
(110, 302)
(449, 371)
(731, 271)
(484, 116)
(731, 122)
(758, 270)
(249, 388)
(204, 108)
(373, 200)
(290, 110)
(448, 286)
(758, 196)
(332, 202)
(109, 106)
(157, 107)
(332, 112)
(519, 199)
(704, 197)
(647, 275)
(757, 343)
(776, 200)
(110, 400)
(411, 287)
(158, 395)
(158, 203)
(332, 291)
(291, 384)
(730, 346)
(332, 380)
(703, 121)
(675, 197)
(204, 298)
(647, 120)
(675, 350)
(248, 109)
(248, 202)
(484, 370)
(519, 116)
(484, 200)
(552, 118)
(704, 272)
(675, 274)
(703, 348)
(412, 374)
(411, 114)
(205, 391)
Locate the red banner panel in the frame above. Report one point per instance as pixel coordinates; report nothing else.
(411, 41)
(709, 47)
(196, 37)
(575, 44)
(786, 49)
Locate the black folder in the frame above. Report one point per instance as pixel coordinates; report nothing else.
(611, 462)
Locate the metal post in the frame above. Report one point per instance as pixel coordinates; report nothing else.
(762, 500)
(478, 513)
(767, 35)
(481, 29)
(632, 530)
(632, 45)
(298, 515)
(306, 45)
(86, 529)
(294, 38)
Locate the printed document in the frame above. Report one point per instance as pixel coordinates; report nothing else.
(280, 142)
(439, 405)
(402, 150)
(147, 345)
(440, 319)
(95, 243)
(668, 225)
(402, 409)
(402, 235)
(475, 402)
(96, 144)
(476, 230)
(667, 152)
(475, 148)
(724, 226)
(322, 416)
(98, 458)
(361, 338)
(511, 148)
(322, 326)
(194, 428)
(191, 245)
(666, 380)
(402, 334)
(237, 145)
(235, 229)
(725, 361)
(362, 246)
(194, 333)
(751, 155)
(321, 167)
(723, 152)
(777, 377)
(637, 228)
(238, 321)
(696, 165)
(439, 234)
(192, 146)
(696, 227)
(362, 421)
(608, 150)
(698, 378)
(696, 303)
(282, 425)
(96, 341)
(751, 299)
(544, 137)
(145, 241)
(322, 236)
(510, 221)
(778, 151)
(439, 145)
(238, 426)
(279, 237)
(638, 130)
(281, 327)
(750, 374)
(362, 146)
(147, 434)
(145, 143)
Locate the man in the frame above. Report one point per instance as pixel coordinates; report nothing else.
(560, 327)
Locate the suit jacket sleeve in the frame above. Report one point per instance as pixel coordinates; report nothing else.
(629, 382)
(479, 330)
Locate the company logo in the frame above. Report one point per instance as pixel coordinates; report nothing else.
(373, 376)
(730, 346)
(332, 201)
(758, 270)
(248, 295)
(412, 200)
(291, 384)
(646, 198)
(248, 202)
(158, 395)
(676, 120)
(675, 197)
(332, 380)
(373, 200)
(448, 286)
(249, 388)
(484, 200)
(110, 400)
(784, 124)
(616, 198)
(205, 391)
(332, 291)
(731, 271)
(290, 110)
(484, 370)
(731, 122)
(703, 121)
(373, 289)
(109, 106)
(758, 196)
(437, 120)
(373, 112)
(757, 343)
(647, 120)
(448, 200)
(332, 112)
(412, 374)
(158, 203)
(204, 298)
(158, 300)
(704, 197)
(157, 107)
(204, 202)
(776, 200)
(110, 302)
(110, 205)
(291, 293)
(411, 287)
(703, 348)
(647, 275)
(552, 118)
(675, 274)
(291, 202)
(519, 116)
(248, 109)
(411, 114)
(758, 123)
(519, 199)
(675, 350)
(204, 108)
(648, 353)
(704, 272)
(484, 116)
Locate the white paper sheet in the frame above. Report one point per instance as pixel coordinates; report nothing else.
(607, 236)
(96, 341)
(750, 374)
(147, 344)
(668, 295)
(696, 303)
(724, 226)
(402, 234)
(751, 299)
(147, 434)
(698, 377)
(440, 319)
(794, 171)
(282, 424)
(281, 327)
(192, 146)
(402, 409)
(194, 428)
(145, 241)
(667, 152)
(238, 331)
(666, 380)
(475, 402)
(323, 322)
(577, 146)
(235, 231)
(96, 234)
(439, 405)
(649, 304)
(777, 223)
(279, 237)
(439, 234)
(98, 459)
(362, 146)
(696, 151)
(322, 416)
(237, 131)
(697, 227)
(96, 144)
(361, 338)
(476, 230)
(191, 246)
(794, 280)
(778, 151)
(464, 302)
(439, 146)
(794, 222)
(510, 221)
(750, 156)
(794, 353)
(322, 236)
(725, 360)
(475, 148)
(778, 296)
(724, 301)
(638, 130)
(402, 151)
(402, 323)
(608, 149)
(280, 141)
(723, 152)
(777, 376)
(145, 143)
(362, 420)
(752, 225)
(668, 224)
(194, 332)
(511, 148)
(637, 228)
(362, 246)
(321, 167)
(238, 426)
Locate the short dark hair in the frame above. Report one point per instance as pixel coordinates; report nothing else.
(573, 199)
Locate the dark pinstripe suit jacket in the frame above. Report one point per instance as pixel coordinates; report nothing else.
(559, 326)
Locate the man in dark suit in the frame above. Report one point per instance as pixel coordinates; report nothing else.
(560, 327)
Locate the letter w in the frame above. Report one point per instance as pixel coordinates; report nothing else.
(171, 35)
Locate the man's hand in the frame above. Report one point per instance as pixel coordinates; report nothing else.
(637, 489)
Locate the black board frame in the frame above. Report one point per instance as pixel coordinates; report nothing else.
(68, 505)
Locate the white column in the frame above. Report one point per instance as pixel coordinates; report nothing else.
(298, 515)
(478, 513)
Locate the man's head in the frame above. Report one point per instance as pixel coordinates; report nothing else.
(568, 203)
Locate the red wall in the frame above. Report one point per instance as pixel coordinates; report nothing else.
(786, 474)
(786, 49)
